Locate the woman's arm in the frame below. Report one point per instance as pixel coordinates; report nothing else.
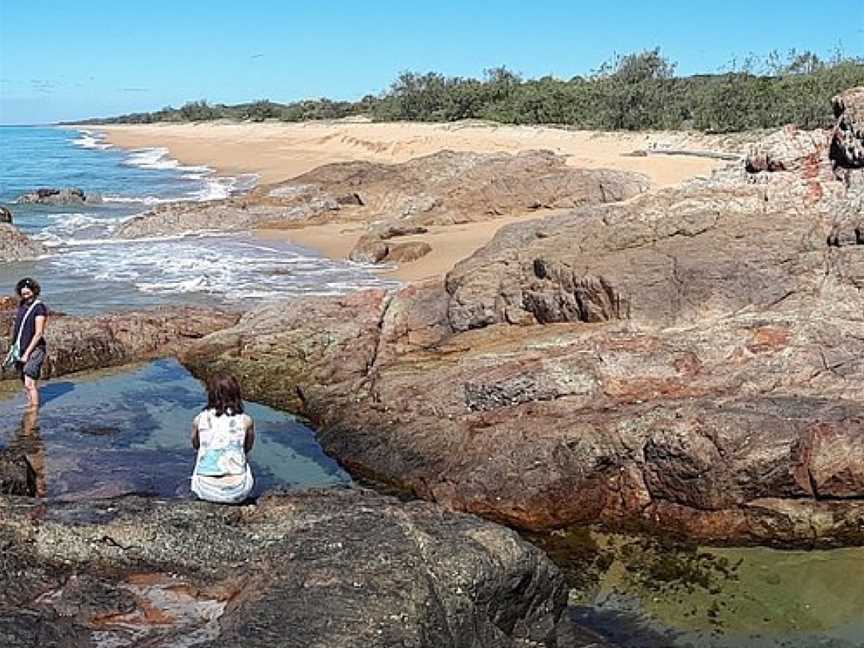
(41, 322)
(249, 441)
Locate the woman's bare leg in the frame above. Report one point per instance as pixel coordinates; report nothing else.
(32, 388)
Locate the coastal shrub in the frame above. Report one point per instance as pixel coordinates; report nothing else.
(637, 91)
(260, 110)
(198, 111)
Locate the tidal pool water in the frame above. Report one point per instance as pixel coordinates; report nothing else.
(128, 430)
(643, 592)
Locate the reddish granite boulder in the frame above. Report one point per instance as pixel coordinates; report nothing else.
(847, 143)
(687, 361)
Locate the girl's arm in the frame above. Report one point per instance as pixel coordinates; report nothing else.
(249, 441)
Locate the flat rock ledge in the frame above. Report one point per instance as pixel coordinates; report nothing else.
(336, 568)
(95, 342)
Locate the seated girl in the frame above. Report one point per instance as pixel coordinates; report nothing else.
(223, 435)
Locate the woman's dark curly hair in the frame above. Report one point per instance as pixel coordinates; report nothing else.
(223, 395)
(27, 282)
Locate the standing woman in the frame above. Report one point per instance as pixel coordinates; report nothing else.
(223, 435)
(30, 322)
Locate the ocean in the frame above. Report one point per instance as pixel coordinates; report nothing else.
(87, 271)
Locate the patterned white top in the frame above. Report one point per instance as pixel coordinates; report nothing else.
(221, 439)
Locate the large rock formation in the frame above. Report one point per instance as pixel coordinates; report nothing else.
(687, 361)
(15, 246)
(80, 343)
(847, 142)
(318, 568)
(443, 188)
(63, 196)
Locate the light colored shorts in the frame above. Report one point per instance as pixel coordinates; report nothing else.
(214, 489)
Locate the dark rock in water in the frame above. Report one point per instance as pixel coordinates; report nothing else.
(325, 568)
(15, 246)
(80, 343)
(5, 215)
(17, 476)
(54, 196)
(686, 361)
(847, 143)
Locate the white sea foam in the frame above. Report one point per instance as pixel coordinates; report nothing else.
(91, 140)
(214, 187)
(136, 200)
(71, 227)
(231, 268)
(192, 266)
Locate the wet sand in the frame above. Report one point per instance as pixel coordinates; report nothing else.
(450, 244)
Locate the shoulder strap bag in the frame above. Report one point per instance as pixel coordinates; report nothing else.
(14, 354)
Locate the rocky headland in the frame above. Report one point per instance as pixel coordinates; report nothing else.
(686, 361)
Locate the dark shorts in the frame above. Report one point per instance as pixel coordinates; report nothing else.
(33, 367)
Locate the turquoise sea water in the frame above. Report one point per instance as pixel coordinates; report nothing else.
(86, 271)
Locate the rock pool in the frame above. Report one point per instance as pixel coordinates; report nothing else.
(659, 593)
(127, 430)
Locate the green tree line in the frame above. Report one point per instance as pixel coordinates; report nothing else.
(638, 91)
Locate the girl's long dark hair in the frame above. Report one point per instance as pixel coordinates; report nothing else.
(223, 394)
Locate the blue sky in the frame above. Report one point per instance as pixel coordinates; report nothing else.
(64, 60)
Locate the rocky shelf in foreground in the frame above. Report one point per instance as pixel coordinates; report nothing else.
(688, 361)
(325, 568)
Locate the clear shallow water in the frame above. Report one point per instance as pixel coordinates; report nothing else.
(128, 431)
(653, 593)
(88, 272)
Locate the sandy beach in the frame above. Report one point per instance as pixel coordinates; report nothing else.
(280, 151)
(449, 244)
